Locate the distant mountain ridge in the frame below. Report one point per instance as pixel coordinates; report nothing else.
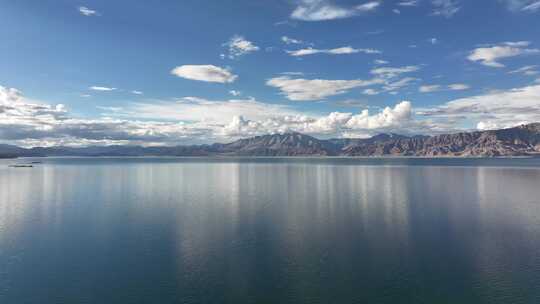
(523, 140)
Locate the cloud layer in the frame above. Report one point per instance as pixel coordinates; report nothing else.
(500, 108)
(194, 120)
(182, 121)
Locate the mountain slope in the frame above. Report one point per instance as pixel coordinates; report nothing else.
(519, 141)
(288, 144)
(522, 140)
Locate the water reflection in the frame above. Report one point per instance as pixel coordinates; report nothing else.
(264, 231)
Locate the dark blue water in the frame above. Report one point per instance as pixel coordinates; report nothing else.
(270, 231)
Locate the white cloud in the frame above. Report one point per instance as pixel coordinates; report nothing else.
(396, 85)
(396, 11)
(193, 109)
(391, 72)
(208, 73)
(333, 123)
(101, 88)
(429, 88)
(438, 87)
(320, 10)
(288, 40)
(337, 51)
(408, 3)
(380, 61)
(458, 87)
(235, 93)
(137, 92)
(242, 118)
(239, 46)
(446, 8)
(386, 76)
(433, 40)
(487, 125)
(293, 73)
(490, 55)
(502, 108)
(368, 6)
(87, 12)
(530, 6)
(389, 117)
(191, 120)
(110, 109)
(370, 92)
(528, 70)
(316, 89)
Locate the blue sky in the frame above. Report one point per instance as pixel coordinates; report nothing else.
(174, 72)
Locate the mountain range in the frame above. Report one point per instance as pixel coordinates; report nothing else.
(523, 140)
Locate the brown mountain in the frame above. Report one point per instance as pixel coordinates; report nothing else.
(519, 141)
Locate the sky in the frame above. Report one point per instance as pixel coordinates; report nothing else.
(174, 72)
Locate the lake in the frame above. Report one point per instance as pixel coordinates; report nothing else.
(286, 230)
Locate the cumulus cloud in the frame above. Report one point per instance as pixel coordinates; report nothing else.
(490, 55)
(137, 92)
(321, 10)
(239, 46)
(87, 12)
(350, 124)
(337, 51)
(208, 73)
(389, 117)
(299, 89)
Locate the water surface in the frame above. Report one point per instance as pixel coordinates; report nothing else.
(181, 230)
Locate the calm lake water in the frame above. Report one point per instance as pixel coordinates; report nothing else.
(160, 230)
